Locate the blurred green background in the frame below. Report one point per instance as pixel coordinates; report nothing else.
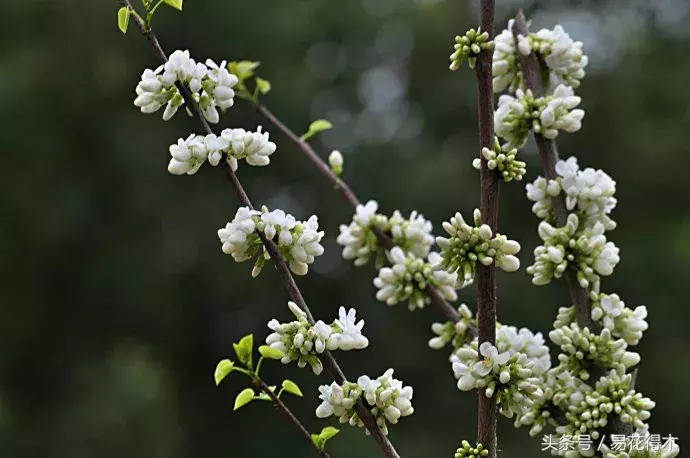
(116, 301)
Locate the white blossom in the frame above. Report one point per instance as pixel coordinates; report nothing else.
(299, 240)
(335, 160)
(302, 342)
(386, 396)
(506, 69)
(456, 333)
(506, 163)
(611, 312)
(563, 56)
(513, 340)
(408, 278)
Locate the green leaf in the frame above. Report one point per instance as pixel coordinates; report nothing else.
(326, 433)
(270, 353)
(243, 69)
(315, 127)
(244, 349)
(223, 368)
(265, 397)
(245, 397)
(264, 86)
(292, 388)
(123, 19)
(177, 4)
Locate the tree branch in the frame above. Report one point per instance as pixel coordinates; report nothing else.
(486, 275)
(286, 277)
(533, 71)
(290, 417)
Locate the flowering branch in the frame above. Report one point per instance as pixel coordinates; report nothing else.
(548, 153)
(341, 185)
(289, 416)
(286, 277)
(486, 275)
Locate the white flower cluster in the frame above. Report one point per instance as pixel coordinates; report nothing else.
(513, 340)
(299, 241)
(584, 248)
(301, 341)
(517, 115)
(468, 47)
(408, 278)
(211, 86)
(467, 245)
(388, 399)
(359, 239)
(507, 164)
(563, 57)
(189, 154)
(581, 346)
(507, 376)
(623, 322)
(457, 334)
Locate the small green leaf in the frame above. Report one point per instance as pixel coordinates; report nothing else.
(244, 349)
(245, 397)
(264, 86)
(123, 19)
(292, 388)
(177, 4)
(326, 433)
(264, 396)
(223, 368)
(270, 353)
(315, 127)
(243, 69)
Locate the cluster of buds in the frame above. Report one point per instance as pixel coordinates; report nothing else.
(408, 278)
(301, 341)
(299, 241)
(359, 239)
(468, 245)
(506, 68)
(584, 248)
(211, 86)
(386, 396)
(517, 115)
(454, 333)
(513, 341)
(507, 164)
(468, 47)
(469, 451)
(581, 347)
(189, 154)
(625, 323)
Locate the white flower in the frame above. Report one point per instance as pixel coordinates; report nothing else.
(335, 159)
(563, 56)
(492, 359)
(506, 70)
(413, 234)
(350, 335)
(359, 239)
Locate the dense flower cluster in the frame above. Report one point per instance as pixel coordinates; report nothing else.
(509, 377)
(456, 333)
(301, 341)
(513, 340)
(468, 245)
(580, 345)
(468, 46)
(359, 238)
(211, 86)
(299, 241)
(409, 276)
(563, 57)
(585, 249)
(517, 115)
(189, 154)
(507, 164)
(468, 451)
(386, 396)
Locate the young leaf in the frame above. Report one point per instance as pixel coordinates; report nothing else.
(243, 69)
(326, 433)
(123, 19)
(223, 368)
(270, 353)
(315, 127)
(244, 398)
(263, 85)
(265, 397)
(292, 388)
(177, 4)
(244, 349)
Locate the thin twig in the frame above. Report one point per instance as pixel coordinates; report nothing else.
(290, 417)
(384, 240)
(533, 72)
(486, 275)
(286, 277)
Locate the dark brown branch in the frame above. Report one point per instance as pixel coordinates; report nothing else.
(486, 275)
(276, 256)
(290, 417)
(532, 69)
